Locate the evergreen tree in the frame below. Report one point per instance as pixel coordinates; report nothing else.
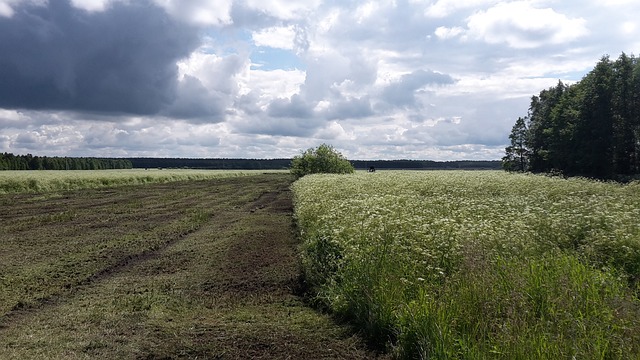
(517, 154)
(591, 128)
(624, 147)
(594, 131)
(540, 125)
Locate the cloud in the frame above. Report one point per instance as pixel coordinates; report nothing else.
(194, 101)
(294, 107)
(446, 33)
(91, 5)
(208, 87)
(444, 8)
(402, 92)
(284, 9)
(422, 79)
(276, 37)
(350, 108)
(120, 60)
(201, 12)
(281, 126)
(520, 25)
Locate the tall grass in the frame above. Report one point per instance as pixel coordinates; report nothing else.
(477, 265)
(38, 181)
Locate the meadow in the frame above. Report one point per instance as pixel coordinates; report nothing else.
(476, 265)
(32, 181)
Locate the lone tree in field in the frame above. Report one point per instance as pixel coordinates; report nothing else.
(323, 159)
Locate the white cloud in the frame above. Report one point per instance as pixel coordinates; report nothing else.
(520, 25)
(421, 79)
(90, 5)
(444, 8)
(7, 6)
(279, 37)
(628, 27)
(284, 9)
(219, 73)
(9, 115)
(446, 33)
(5, 9)
(203, 12)
(366, 10)
(333, 131)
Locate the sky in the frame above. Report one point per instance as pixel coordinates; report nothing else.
(402, 79)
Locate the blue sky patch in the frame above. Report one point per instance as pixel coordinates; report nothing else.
(267, 58)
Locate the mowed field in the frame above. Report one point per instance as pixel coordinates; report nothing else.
(185, 269)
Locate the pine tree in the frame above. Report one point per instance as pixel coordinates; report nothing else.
(517, 154)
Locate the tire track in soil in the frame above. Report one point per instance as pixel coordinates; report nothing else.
(234, 282)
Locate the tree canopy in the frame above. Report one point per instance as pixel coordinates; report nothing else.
(590, 128)
(323, 159)
(9, 161)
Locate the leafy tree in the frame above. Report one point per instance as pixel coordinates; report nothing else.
(517, 154)
(323, 159)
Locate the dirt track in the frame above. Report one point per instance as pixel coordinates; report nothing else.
(216, 276)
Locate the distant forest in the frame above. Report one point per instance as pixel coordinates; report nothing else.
(10, 161)
(590, 128)
(265, 164)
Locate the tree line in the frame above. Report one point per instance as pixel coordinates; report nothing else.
(427, 164)
(590, 128)
(10, 161)
(213, 164)
(271, 164)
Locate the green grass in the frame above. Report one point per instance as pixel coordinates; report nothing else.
(477, 265)
(43, 181)
(195, 269)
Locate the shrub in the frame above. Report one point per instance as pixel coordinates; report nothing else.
(323, 159)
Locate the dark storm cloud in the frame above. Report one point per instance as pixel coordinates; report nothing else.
(122, 60)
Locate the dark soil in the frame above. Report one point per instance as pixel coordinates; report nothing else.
(206, 270)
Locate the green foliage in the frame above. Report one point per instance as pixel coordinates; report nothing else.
(591, 128)
(477, 265)
(10, 161)
(323, 159)
(517, 153)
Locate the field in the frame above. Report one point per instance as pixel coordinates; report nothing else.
(206, 264)
(182, 269)
(476, 265)
(59, 180)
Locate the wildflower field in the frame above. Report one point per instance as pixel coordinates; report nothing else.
(476, 265)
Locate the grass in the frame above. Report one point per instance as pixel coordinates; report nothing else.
(193, 269)
(43, 181)
(477, 265)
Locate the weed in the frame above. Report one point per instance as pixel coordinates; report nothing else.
(477, 265)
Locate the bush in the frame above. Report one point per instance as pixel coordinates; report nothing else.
(323, 159)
